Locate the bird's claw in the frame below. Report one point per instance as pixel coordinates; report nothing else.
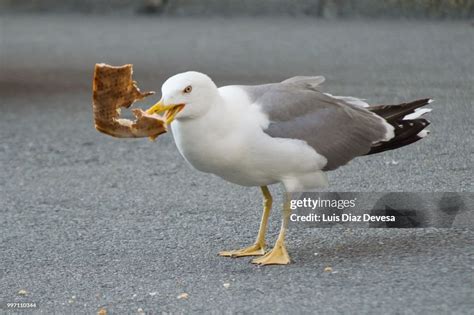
(277, 256)
(253, 250)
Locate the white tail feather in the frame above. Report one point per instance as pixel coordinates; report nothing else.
(417, 114)
(423, 133)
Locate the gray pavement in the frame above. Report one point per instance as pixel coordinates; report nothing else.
(88, 221)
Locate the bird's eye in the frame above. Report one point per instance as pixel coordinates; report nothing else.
(188, 89)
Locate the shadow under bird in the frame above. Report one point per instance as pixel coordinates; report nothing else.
(289, 132)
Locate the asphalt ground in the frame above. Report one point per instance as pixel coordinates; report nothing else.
(90, 222)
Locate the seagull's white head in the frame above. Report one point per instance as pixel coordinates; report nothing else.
(186, 95)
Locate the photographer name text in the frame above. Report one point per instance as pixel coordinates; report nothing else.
(345, 217)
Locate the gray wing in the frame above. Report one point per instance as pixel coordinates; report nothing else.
(335, 128)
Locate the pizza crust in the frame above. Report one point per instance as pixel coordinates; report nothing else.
(113, 88)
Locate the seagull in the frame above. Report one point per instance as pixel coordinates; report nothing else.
(289, 132)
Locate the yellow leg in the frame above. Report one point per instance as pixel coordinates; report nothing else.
(258, 248)
(278, 255)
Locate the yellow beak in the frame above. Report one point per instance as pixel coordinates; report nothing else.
(171, 110)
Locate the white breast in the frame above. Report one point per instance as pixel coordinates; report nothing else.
(201, 145)
(215, 143)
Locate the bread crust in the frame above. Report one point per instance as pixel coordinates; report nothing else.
(113, 89)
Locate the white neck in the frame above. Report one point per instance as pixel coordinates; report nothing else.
(215, 119)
